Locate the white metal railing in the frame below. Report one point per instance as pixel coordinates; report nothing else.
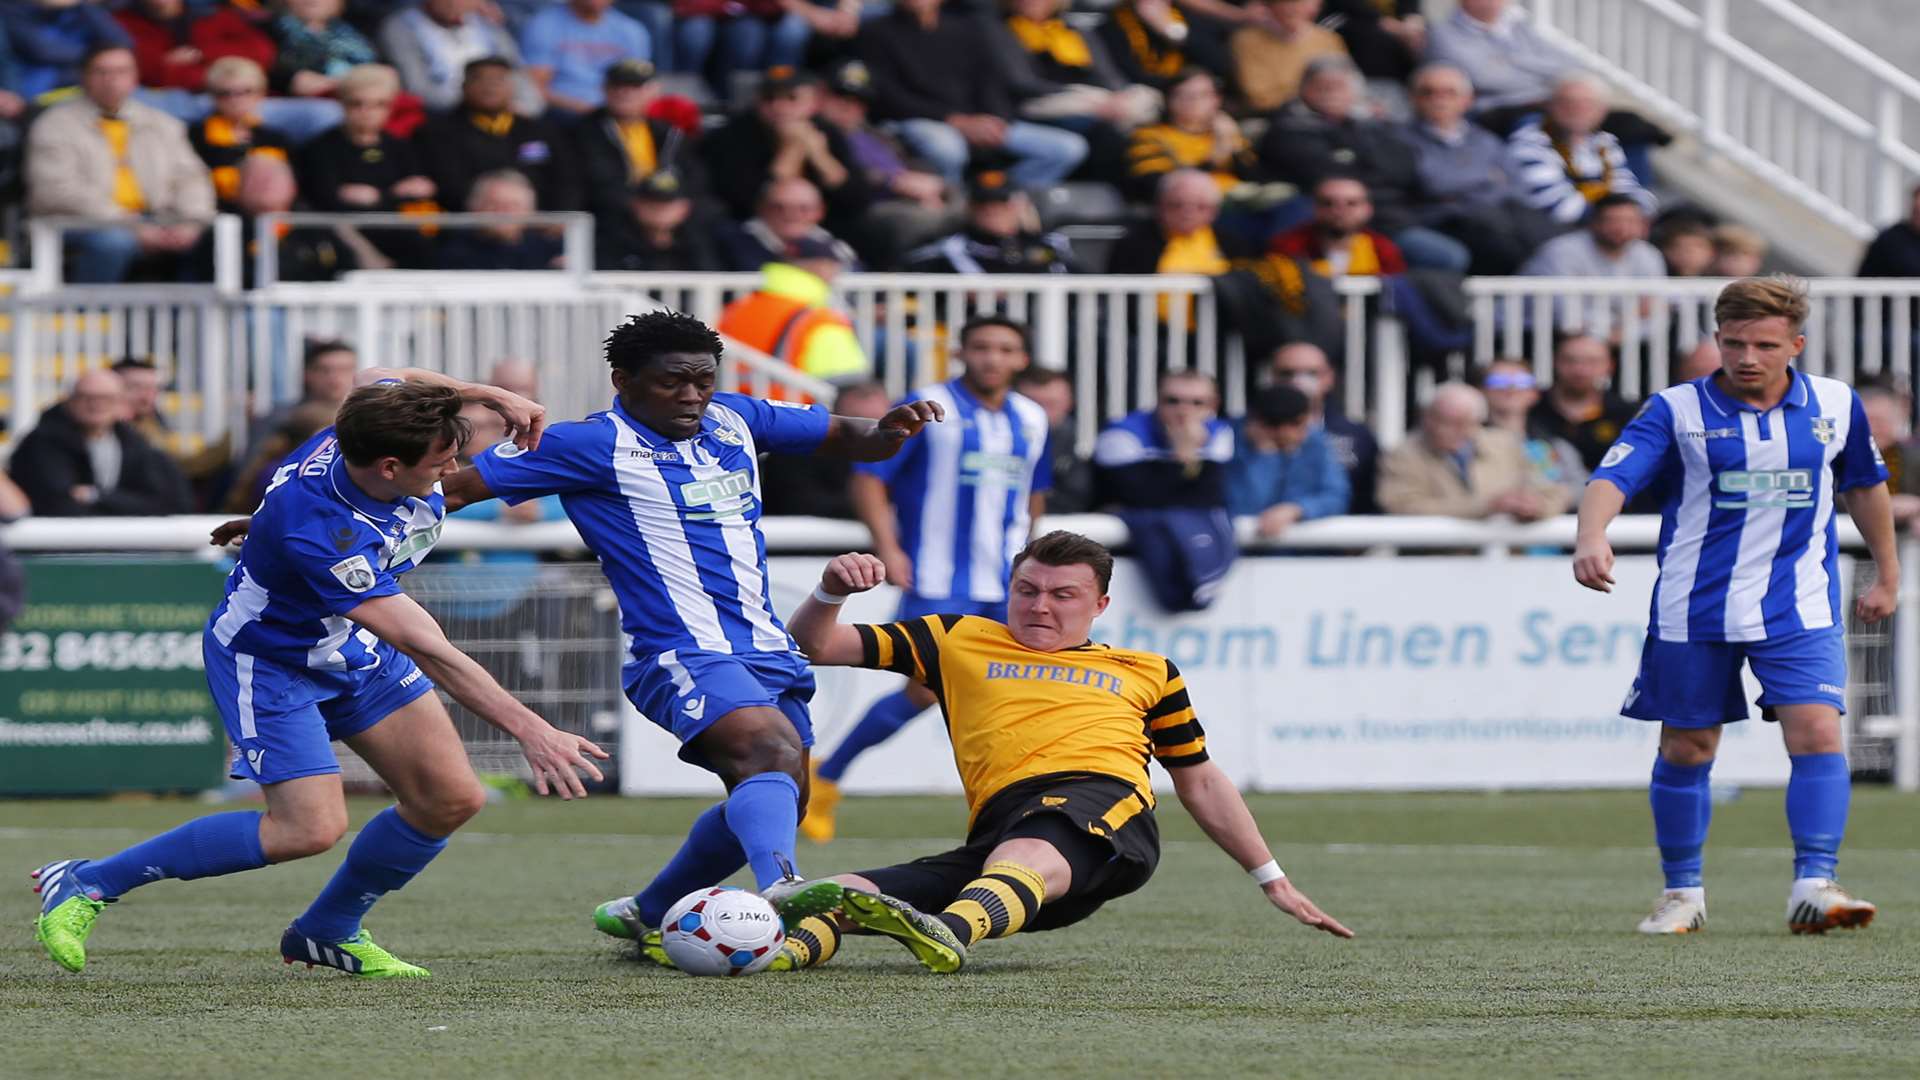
(1851, 165)
(1857, 328)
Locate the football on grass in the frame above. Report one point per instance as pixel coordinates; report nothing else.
(722, 931)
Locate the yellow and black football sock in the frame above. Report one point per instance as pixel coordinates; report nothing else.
(813, 942)
(1004, 898)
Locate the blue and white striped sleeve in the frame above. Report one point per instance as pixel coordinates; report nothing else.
(1542, 176)
(1642, 451)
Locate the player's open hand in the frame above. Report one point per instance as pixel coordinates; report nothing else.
(227, 532)
(853, 573)
(905, 421)
(1878, 602)
(1295, 903)
(1593, 564)
(526, 420)
(558, 760)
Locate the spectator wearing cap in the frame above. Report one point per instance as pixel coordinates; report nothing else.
(1337, 241)
(1270, 55)
(1197, 134)
(1456, 466)
(723, 37)
(621, 143)
(1001, 236)
(569, 47)
(1181, 238)
(503, 246)
(1305, 367)
(1320, 135)
(783, 138)
(1283, 471)
(1462, 184)
(317, 46)
(786, 225)
(1513, 395)
(483, 134)
(105, 156)
(659, 229)
(83, 459)
(233, 131)
(1154, 42)
(929, 75)
(175, 46)
(1564, 162)
(50, 42)
(791, 318)
(910, 202)
(432, 44)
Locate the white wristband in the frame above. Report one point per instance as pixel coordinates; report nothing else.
(1267, 873)
(826, 597)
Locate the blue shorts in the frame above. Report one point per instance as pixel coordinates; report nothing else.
(283, 721)
(913, 606)
(1696, 684)
(686, 690)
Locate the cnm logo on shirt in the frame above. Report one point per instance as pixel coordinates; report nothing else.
(1765, 489)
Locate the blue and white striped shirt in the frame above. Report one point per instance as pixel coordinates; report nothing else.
(961, 489)
(675, 523)
(319, 547)
(1748, 548)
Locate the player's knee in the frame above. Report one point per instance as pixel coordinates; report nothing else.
(446, 810)
(754, 746)
(315, 834)
(1682, 746)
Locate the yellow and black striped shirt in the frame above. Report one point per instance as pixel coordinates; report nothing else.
(1014, 713)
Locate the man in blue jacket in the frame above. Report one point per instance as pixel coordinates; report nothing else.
(1283, 469)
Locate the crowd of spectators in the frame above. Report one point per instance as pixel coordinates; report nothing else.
(688, 127)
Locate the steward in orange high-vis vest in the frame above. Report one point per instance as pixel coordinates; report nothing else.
(789, 319)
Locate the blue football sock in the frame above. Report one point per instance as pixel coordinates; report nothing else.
(1682, 807)
(1818, 793)
(386, 855)
(764, 812)
(886, 717)
(709, 856)
(204, 847)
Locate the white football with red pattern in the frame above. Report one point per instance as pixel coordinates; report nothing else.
(722, 931)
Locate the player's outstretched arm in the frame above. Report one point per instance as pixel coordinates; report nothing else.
(557, 757)
(526, 420)
(816, 625)
(1871, 508)
(1592, 554)
(858, 439)
(1222, 814)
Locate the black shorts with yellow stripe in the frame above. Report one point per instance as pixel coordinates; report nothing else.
(1100, 824)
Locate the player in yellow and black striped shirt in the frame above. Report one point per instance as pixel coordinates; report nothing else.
(1052, 734)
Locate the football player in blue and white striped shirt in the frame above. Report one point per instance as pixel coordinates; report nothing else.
(948, 514)
(315, 642)
(1752, 459)
(664, 486)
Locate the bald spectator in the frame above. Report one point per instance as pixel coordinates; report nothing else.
(503, 246)
(105, 156)
(84, 459)
(1565, 164)
(1305, 367)
(1271, 54)
(1456, 466)
(306, 253)
(1462, 186)
(1699, 362)
(786, 226)
(1180, 239)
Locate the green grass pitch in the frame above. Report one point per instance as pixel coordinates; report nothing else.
(1496, 939)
